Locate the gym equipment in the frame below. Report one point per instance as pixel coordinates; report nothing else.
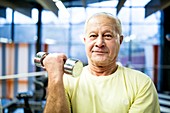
(72, 66)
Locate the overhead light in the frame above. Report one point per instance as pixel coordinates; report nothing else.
(61, 7)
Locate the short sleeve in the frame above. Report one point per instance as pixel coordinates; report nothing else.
(146, 100)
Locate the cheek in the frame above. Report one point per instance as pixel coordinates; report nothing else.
(89, 45)
(113, 48)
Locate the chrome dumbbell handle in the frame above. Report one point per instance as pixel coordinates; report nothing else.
(72, 66)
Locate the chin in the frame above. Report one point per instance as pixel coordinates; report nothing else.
(100, 59)
(99, 62)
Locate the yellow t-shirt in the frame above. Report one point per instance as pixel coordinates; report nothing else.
(125, 91)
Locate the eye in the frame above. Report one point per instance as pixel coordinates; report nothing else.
(108, 36)
(93, 36)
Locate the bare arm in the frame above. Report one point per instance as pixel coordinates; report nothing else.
(56, 98)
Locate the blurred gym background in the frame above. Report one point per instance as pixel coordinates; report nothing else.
(30, 26)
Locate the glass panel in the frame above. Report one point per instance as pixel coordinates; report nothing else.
(154, 18)
(146, 33)
(5, 33)
(25, 34)
(58, 48)
(8, 18)
(78, 51)
(49, 18)
(111, 3)
(58, 34)
(5, 27)
(76, 35)
(136, 2)
(77, 15)
(124, 15)
(25, 29)
(137, 16)
(23, 19)
(92, 10)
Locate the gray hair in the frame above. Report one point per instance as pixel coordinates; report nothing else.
(118, 22)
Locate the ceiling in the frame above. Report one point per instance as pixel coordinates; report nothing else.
(25, 6)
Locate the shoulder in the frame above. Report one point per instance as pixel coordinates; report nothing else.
(133, 76)
(132, 73)
(138, 82)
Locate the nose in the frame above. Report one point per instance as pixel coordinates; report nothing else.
(100, 42)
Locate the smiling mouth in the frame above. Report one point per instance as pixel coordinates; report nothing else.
(99, 52)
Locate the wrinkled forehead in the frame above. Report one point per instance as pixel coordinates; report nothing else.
(102, 25)
(103, 20)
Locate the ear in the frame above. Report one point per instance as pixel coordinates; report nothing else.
(84, 39)
(121, 39)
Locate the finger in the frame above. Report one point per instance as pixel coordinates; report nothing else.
(54, 58)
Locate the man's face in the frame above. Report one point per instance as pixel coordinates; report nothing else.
(102, 41)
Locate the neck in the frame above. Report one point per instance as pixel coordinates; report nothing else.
(103, 70)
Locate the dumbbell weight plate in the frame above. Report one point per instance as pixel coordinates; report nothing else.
(72, 66)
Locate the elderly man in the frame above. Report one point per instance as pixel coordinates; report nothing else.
(103, 86)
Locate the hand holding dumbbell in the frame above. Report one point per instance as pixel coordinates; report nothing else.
(71, 66)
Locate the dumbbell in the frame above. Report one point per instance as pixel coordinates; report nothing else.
(72, 66)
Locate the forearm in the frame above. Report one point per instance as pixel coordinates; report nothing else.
(56, 99)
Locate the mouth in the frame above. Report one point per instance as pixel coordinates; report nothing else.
(99, 52)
